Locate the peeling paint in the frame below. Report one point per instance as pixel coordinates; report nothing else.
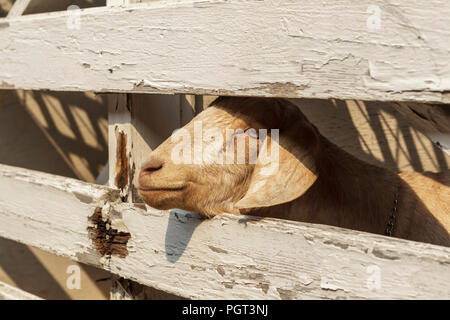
(283, 88)
(229, 284)
(412, 55)
(326, 285)
(220, 270)
(283, 264)
(83, 198)
(286, 294)
(382, 254)
(218, 250)
(337, 244)
(197, 268)
(264, 287)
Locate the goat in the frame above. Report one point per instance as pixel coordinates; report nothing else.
(315, 181)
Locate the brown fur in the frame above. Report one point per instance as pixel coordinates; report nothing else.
(317, 182)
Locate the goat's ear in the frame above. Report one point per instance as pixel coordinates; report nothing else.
(276, 182)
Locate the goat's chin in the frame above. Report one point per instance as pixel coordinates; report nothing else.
(162, 199)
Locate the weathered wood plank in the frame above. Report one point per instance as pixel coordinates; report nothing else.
(8, 292)
(371, 49)
(222, 258)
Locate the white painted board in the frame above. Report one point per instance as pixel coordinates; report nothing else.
(228, 257)
(370, 49)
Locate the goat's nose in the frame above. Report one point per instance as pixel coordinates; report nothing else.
(151, 166)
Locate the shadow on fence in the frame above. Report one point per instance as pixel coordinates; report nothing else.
(66, 134)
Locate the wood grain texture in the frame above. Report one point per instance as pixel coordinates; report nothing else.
(228, 257)
(260, 48)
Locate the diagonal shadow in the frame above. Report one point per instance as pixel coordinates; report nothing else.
(93, 156)
(385, 137)
(180, 228)
(27, 146)
(27, 272)
(17, 130)
(405, 132)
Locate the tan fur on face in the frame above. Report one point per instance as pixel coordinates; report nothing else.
(316, 181)
(210, 188)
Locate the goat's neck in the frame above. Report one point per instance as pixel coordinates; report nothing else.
(348, 193)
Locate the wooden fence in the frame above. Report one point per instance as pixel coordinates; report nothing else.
(260, 48)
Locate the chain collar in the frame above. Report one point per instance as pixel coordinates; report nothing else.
(393, 217)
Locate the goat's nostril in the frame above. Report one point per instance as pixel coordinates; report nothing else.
(151, 166)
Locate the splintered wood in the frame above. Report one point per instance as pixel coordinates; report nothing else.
(107, 240)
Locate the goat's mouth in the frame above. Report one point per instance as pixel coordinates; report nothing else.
(162, 197)
(155, 190)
